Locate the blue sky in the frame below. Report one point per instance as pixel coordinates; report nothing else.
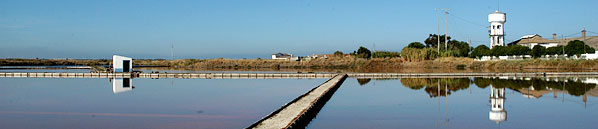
(256, 28)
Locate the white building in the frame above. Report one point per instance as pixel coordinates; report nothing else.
(122, 64)
(497, 31)
(284, 56)
(533, 40)
(497, 102)
(120, 85)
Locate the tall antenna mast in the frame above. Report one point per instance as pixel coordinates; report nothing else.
(172, 51)
(374, 47)
(498, 3)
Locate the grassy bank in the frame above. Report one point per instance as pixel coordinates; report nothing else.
(355, 64)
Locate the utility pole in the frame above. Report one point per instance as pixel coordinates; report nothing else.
(584, 41)
(445, 38)
(469, 43)
(438, 34)
(374, 50)
(564, 41)
(172, 51)
(446, 29)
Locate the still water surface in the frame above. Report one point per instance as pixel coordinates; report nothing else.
(468, 103)
(152, 103)
(358, 103)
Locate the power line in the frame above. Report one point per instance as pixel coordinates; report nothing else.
(468, 21)
(573, 34)
(591, 32)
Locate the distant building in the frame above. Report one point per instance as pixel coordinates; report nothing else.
(122, 64)
(497, 31)
(533, 40)
(283, 56)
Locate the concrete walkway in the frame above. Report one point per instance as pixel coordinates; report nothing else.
(300, 111)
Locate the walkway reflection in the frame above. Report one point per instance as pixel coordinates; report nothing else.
(120, 85)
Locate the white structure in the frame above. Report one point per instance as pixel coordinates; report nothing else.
(120, 85)
(533, 40)
(497, 31)
(284, 56)
(122, 64)
(590, 56)
(497, 103)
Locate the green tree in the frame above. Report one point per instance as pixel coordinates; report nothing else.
(479, 51)
(554, 50)
(499, 51)
(461, 48)
(338, 54)
(538, 51)
(518, 50)
(363, 52)
(432, 40)
(577, 47)
(417, 45)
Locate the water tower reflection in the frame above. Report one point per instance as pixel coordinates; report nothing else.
(497, 103)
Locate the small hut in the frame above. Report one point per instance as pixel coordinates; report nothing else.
(122, 64)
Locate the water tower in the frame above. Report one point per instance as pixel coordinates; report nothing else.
(497, 31)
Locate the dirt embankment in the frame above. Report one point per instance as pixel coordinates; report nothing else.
(355, 64)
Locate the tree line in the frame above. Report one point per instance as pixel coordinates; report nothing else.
(575, 47)
(431, 49)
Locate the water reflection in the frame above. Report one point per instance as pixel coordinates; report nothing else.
(497, 104)
(363, 81)
(192, 103)
(529, 87)
(467, 102)
(436, 87)
(120, 85)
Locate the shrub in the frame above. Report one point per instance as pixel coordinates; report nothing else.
(384, 54)
(417, 45)
(449, 53)
(414, 54)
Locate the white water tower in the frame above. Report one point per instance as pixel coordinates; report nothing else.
(497, 31)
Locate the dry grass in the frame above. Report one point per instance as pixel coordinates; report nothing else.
(355, 64)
